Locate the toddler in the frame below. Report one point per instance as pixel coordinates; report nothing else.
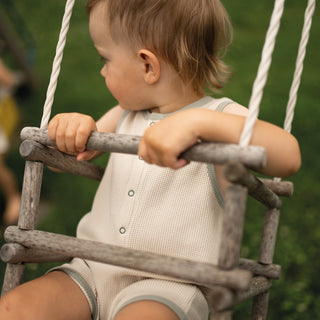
(159, 57)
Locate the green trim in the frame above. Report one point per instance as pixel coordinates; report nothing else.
(123, 116)
(215, 184)
(176, 309)
(210, 166)
(159, 116)
(223, 104)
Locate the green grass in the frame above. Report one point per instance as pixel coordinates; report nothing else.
(81, 89)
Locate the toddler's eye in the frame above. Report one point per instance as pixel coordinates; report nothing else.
(103, 59)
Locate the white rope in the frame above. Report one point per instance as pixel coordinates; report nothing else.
(57, 63)
(262, 75)
(299, 65)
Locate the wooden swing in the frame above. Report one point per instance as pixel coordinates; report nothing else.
(233, 280)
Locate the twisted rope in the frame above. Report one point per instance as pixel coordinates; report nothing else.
(262, 75)
(299, 65)
(57, 64)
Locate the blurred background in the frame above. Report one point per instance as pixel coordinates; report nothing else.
(65, 198)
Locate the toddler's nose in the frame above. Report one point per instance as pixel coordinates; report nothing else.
(103, 71)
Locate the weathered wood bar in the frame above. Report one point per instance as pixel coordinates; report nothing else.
(237, 173)
(271, 271)
(17, 253)
(13, 277)
(30, 197)
(233, 221)
(226, 315)
(260, 306)
(251, 156)
(28, 213)
(34, 151)
(188, 270)
(269, 236)
(281, 188)
(258, 285)
(220, 300)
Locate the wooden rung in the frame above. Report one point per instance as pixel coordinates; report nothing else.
(225, 315)
(251, 156)
(192, 271)
(232, 226)
(271, 271)
(269, 236)
(30, 196)
(258, 285)
(13, 277)
(237, 173)
(280, 188)
(34, 151)
(220, 299)
(16, 253)
(260, 306)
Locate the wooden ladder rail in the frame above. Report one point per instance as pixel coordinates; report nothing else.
(237, 173)
(14, 254)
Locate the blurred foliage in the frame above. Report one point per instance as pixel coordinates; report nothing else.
(65, 198)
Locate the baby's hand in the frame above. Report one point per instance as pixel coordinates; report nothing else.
(70, 132)
(163, 142)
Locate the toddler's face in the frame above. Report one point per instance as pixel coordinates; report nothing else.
(122, 69)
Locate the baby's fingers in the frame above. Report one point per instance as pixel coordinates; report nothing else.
(83, 132)
(73, 138)
(143, 153)
(87, 155)
(70, 131)
(168, 158)
(59, 138)
(162, 157)
(56, 131)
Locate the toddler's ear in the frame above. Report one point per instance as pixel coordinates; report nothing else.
(151, 66)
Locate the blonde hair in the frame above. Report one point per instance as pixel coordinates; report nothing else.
(190, 35)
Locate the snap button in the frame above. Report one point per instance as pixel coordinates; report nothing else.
(122, 230)
(131, 193)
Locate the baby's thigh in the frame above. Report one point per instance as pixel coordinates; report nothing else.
(54, 296)
(155, 299)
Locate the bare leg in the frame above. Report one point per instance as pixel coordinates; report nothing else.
(9, 186)
(146, 310)
(54, 296)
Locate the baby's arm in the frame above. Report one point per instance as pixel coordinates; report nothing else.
(109, 121)
(70, 131)
(166, 140)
